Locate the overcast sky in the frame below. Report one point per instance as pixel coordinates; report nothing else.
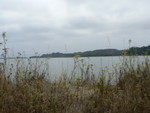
(47, 26)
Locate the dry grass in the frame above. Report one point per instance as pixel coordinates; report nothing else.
(32, 93)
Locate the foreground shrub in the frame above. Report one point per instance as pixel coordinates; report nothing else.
(31, 92)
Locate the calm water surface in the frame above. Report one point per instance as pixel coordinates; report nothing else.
(57, 66)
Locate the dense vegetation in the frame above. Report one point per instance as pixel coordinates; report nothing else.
(125, 90)
(139, 51)
(101, 52)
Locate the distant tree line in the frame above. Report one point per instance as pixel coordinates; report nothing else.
(145, 50)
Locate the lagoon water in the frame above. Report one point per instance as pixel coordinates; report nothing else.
(60, 66)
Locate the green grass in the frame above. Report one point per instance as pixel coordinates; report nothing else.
(31, 92)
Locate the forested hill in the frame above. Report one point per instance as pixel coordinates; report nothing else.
(145, 50)
(101, 52)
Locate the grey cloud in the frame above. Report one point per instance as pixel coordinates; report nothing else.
(84, 23)
(79, 24)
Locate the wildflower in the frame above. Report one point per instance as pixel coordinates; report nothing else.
(4, 34)
(67, 85)
(78, 79)
(130, 41)
(76, 56)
